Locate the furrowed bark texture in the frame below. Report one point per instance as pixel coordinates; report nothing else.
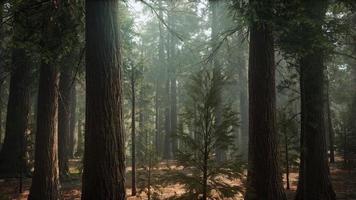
(314, 173)
(73, 135)
(264, 176)
(133, 134)
(12, 155)
(314, 181)
(64, 115)
(45, 181)
(104, 161)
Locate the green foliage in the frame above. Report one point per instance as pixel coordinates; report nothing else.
(200, 136)
(289, 138)
(301, 31)
(146, 179)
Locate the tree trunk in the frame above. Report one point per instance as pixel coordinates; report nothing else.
(167, 153)
(345, 147)
(80, 147)
(158, 141)
(45, 183)
(329, 126)
(104, 158)
(205, 167)
(64, 115)
(314, 183)
(350, 132)
(158, 94)
(133, 133)
(314, 176)
(1, 72)
(174, 117)
(12, 155)
(173, 84)
(264, 176)
(243, 85)
(149, 177)
(1, 110)
(220, 153)
(73, 136)
(286, 149)
(141, 145)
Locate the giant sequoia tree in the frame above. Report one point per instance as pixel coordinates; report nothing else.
(45, 183)
(64, 118)
(104, 167)
(314, 176)
(352, 106)
(264, 180)
(1, 69)
(12, 156)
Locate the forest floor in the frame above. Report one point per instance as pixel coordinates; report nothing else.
(344, 182)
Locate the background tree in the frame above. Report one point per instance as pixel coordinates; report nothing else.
(12, 156)
(64, 116)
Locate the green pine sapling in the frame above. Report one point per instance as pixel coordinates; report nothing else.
(203, 176)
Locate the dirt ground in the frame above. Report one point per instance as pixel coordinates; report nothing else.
(344, 182)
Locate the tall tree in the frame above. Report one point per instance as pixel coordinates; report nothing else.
(104, 160)
(214, 5)
(158, 92)
(133, 132)
(64, 116)
(173, 82)
(167, 153)
(1, 110)
(328, 121)
(264, 177)
(243, 106)
(351, 137)
(66, 110)
(1, 70)
(314, 176)
(45, 181)
(12, 155)
(73, 136)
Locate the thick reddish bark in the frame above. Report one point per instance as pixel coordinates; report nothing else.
(45, 182)
(104, 157)
(314, 181)
(133, 133)
(314, 176)
(264, 176)
(12, 155)
(1, 73)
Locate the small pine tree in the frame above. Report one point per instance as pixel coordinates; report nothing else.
(202, 175)
(289, 142)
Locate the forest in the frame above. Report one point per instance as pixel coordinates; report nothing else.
(178, 99)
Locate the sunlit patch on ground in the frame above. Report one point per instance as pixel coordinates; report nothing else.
(344, 184)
